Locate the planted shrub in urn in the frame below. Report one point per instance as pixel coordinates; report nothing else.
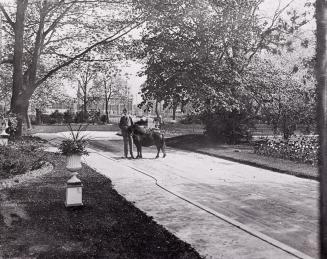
(73, 148)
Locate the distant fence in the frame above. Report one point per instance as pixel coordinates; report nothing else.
(114, 119)
(262, 129)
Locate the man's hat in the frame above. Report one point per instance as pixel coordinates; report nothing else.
(124, 110)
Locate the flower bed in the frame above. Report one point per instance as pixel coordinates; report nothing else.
(20, 157)
(302, 149)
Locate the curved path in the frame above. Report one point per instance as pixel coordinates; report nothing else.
(282, 207)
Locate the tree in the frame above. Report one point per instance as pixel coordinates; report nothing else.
(48, 36)
(49, 93)
(202, 51)
(5, 85)
(281, 91)
(321, 14)
(85, 74)
(107, 85)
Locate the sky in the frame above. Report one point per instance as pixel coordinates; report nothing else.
(134, 81)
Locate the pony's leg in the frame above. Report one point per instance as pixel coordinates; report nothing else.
(158, 149)
(140, 151)
(130, 143)
(163, 148)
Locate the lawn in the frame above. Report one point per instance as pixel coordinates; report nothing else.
(62, 128)
(170, 129)
(243, 153)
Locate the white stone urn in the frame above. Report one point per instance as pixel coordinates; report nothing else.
(74, 162)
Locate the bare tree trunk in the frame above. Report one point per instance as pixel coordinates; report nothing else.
(38, 116)
(16, 105)
(174, 111)
(28, 120)
(157, 109)
(183, 107)
(84, 107)
(107, 111)
(20, 108)
(321, 14)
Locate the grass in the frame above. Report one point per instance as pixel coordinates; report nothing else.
(36, 224)
(242, 153)
(63, 128)
(170, 129)
(177, 129)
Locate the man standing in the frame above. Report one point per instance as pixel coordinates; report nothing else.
(124, 123)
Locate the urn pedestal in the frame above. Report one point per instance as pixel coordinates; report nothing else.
(74, 185)
(4, 139)
(4, 136)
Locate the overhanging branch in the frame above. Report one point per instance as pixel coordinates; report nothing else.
(57, 20)
(7, 61)
(12, 24)
(107, 40)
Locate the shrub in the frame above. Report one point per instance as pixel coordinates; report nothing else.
(301, 148)
(80, 117)
(103, 118)
(68, 116)
(14, 166)
(227, 126)
(46, 119)
(73, 147)
(20, 156)
(34, 122)
(76, 144)
(190, 119)
(94, 116)
(57, 116)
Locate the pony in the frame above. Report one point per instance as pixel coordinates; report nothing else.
(145, 137)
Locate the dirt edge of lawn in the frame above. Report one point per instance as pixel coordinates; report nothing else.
(34, 223)
(242, 154)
